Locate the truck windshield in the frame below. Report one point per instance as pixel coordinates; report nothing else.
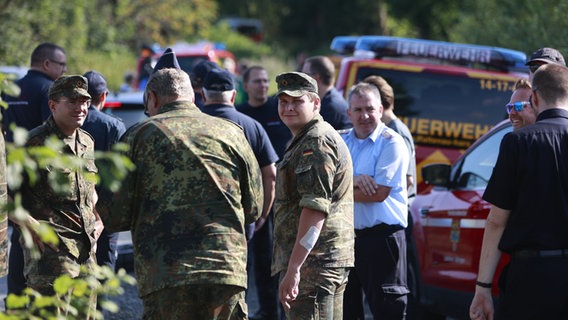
(450, 109)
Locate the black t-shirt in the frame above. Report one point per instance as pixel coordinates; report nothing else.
(530, 178)
(334, 110)
(267, 115)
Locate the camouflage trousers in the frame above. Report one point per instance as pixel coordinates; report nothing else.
(320, 294)
(212, 302)
(41, 274)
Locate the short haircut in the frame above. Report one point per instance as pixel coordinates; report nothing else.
(170, 83)
(322, 66)
(550, 82)
(387, 94)
(523, 84)
(249, 70)
(44, 51)
(361, 88)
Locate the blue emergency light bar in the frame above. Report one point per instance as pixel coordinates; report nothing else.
(445, 52)
(344, 44)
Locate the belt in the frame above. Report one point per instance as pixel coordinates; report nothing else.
(525, 254)
(378, 229)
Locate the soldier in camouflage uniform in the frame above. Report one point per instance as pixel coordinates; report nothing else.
(3, 217)
(313, 210)
(196, 185)
(69, 212)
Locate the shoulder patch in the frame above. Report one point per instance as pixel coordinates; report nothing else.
(387, 135)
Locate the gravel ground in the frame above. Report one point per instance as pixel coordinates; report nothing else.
(129, 303)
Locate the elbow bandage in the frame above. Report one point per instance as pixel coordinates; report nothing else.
(309, 240)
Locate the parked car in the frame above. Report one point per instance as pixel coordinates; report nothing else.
(448, 221)
(189, 54)
(18, 71)
(128, 106)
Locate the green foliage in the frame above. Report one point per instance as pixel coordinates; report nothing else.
(522, 25)
(71, 296)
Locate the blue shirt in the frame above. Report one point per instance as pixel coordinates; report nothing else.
(382, 155)
(104, 128)
(31, 108)
(254, 132)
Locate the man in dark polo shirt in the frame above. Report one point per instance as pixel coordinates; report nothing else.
(528, 192)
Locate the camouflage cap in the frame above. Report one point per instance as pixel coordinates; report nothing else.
(295, 84)
(72, 87)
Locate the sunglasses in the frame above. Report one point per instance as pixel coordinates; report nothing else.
(519, 106)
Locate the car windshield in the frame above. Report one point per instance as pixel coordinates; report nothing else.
(445, 109)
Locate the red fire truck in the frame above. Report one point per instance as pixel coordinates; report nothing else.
(450, 95)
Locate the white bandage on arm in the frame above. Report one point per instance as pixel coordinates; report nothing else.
(309, 240)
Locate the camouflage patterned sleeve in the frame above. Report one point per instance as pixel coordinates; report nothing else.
(315, 173)
(251, 184)
(3, 215)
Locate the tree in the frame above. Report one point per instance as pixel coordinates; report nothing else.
(517, 24)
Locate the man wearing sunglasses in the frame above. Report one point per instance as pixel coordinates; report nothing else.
(520, 109)
(544, 56)
(527, 222)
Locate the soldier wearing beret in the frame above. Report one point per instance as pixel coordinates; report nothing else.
(70, 212)
(313, 210)
(195, 187)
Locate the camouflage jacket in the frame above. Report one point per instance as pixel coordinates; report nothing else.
(69, 211)
(316, 172)
(3, 216)
(196, 185)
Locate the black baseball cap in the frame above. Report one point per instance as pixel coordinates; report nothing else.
(547, 55)
(97, 84)
(200, 71)
(219, 80)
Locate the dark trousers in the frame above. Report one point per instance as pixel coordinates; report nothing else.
(107, 246)
(259, 262)
(16, 280)
(534, 288)
(380, 271)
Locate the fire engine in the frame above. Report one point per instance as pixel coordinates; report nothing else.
(450, 96)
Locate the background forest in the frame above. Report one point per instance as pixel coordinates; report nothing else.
(107, 35)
